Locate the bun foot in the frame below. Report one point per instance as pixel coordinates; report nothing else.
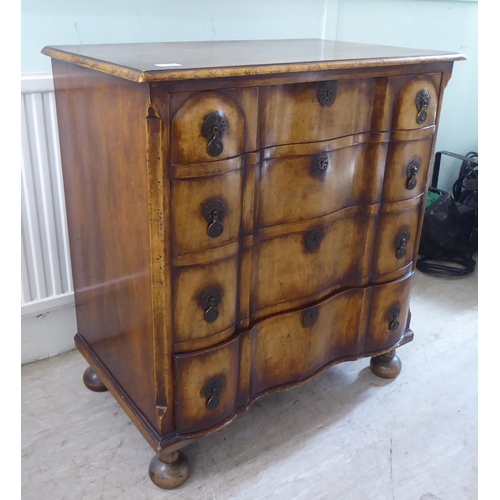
(170, 471)
(92, 381)
(386, 365)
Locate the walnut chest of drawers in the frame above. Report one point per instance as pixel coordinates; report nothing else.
(242, 215)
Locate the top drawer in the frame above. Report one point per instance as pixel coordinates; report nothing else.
(207, 127)
(415, 105)
(310, 112)
(318, 111)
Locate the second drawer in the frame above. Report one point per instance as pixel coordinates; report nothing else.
(407, 165)
(206, 211)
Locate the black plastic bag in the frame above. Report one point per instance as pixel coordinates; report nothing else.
(449, 237)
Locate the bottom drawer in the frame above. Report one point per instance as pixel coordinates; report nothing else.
(206, 386)
(389, 308)
(292, 346)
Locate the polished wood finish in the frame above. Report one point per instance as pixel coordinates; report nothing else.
(189, 199)
(286, 268)
(405, 112)
(236, 58)
(309, 121)
(291, 190)
(170, 471)
(238, 228)
(400, 155)
(395, 218)
(194, 372)
(387, 365)
(102, 130)
(189, 284)
(190, 146)
(92, 380)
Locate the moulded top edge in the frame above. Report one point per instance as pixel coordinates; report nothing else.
(170, 61)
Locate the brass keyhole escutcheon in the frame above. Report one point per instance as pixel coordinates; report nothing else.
(313, 239)
(320, 164)
(310, 316)
(327, 93)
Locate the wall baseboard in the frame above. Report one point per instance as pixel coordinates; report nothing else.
(48, 304)
(47, 333)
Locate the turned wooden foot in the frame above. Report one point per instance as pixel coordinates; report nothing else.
(170, 471)
(92, 380)
(386, 365)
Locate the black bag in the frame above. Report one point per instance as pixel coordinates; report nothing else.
(450, 229)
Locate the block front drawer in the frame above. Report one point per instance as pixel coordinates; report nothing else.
(309, 112)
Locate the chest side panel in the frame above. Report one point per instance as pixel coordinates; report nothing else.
(102, 126)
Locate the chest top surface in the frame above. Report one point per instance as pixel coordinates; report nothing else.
(148, 62)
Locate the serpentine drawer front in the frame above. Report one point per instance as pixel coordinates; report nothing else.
(241, 216)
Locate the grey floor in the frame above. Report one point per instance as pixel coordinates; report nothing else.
(344, 435)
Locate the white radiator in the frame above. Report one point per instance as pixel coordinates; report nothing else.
(46, 267)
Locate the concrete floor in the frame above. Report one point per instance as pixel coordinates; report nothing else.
(346, 435)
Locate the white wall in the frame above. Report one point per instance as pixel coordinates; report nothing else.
(68, 22)
(49, 324)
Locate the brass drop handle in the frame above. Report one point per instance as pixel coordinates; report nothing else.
(213, 128)
(215, 228)
(422, 100)
(393, 316)
(214, 213)
(212, 392)
(411, 173)
(401, 241)
(210, 300)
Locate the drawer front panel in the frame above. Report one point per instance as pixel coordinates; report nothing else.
(416, 104)
(407, 167)
(207, 127)
(389, 314)
(296, 265)
(205, 299)
(396, 237)
(292, 346)
(310, 112)
(206, 211)
(206, 386)
(309, 186)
